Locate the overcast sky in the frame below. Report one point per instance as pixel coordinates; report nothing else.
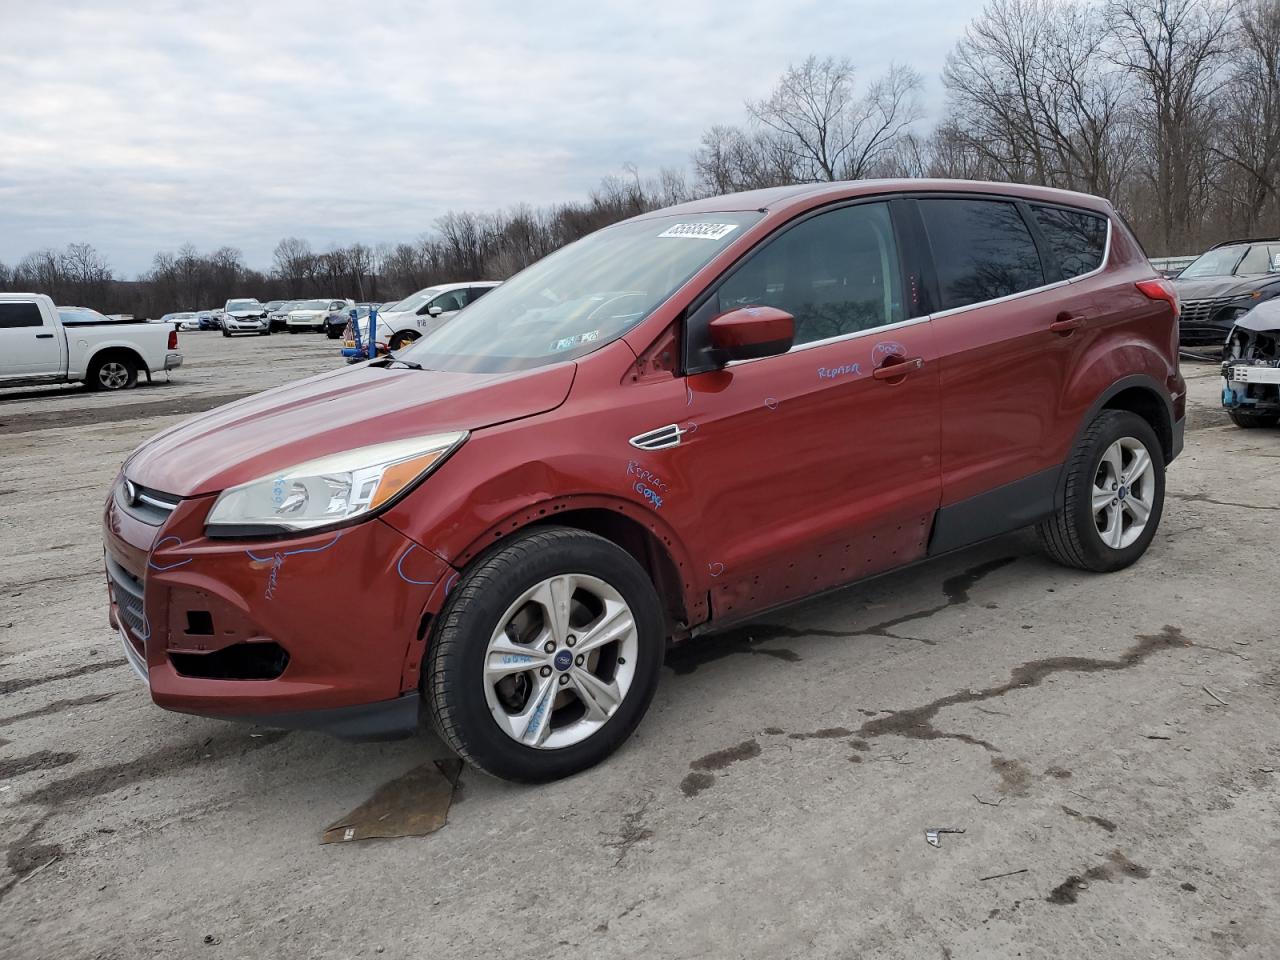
(138, 126)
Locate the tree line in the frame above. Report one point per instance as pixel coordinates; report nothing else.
(1170, 108)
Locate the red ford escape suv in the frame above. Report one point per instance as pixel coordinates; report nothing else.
(675, 423)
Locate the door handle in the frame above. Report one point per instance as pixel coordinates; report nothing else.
(1066, 323)
(44, 336)
(896, 370)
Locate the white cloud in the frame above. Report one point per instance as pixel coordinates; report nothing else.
(139, 126)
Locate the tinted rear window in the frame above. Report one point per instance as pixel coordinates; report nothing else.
(981, 250)
(1077, 239)
(20, 315)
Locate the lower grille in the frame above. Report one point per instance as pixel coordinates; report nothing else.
(130, 607)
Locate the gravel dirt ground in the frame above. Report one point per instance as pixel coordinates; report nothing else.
(1110, 742)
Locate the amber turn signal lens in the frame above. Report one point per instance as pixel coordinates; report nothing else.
(399, 475)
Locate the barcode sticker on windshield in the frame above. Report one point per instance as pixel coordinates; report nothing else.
(700, 231)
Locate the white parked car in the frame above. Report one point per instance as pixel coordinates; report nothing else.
(37, 345)
(427, 310)
(314, 314)
(245, 316)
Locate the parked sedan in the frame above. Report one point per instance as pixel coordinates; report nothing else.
(208, 320)
(278, 315)
(314, 314)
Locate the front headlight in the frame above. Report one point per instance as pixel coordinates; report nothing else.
(331, 490)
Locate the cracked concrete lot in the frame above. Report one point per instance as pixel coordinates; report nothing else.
(1108, 745)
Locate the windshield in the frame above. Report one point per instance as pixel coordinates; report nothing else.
(243, 305)
(580, 297)
(412, 302)
(1216, 263)
(312, 305)
(79, 315)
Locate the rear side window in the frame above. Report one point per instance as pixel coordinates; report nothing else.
(981, 250)
(1078, 239)
(836, 273)
(20, 315)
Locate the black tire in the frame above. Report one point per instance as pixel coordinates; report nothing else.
(1252, 421)
(115, 371)
(453, 679)
(265, 333)
(1071, 536)
(333, 333)
(401, 339)
(226, 332)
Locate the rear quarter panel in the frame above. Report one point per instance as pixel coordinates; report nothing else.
(1129, 335)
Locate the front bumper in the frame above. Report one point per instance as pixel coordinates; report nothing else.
(1251, 387)
(323, 632)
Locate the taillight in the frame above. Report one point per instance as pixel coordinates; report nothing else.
(173, 339)
(1159, 288)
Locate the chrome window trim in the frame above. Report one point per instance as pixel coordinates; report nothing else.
(1106, 255)
(941, 314)
(897, 325)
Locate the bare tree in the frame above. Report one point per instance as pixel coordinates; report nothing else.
(827, 131)
(1249, 117)
(1174, 49)
(1033, 92)
(293, 263)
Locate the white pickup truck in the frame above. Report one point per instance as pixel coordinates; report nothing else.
(37, 346)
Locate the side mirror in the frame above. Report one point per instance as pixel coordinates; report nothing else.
(750, 332)
(434, 311)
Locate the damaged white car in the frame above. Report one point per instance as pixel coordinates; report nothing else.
(1251, 372)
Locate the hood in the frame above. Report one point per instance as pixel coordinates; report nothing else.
(1264, 318)
(1211, 288)
(333, 412)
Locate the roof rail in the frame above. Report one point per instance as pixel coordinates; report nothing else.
(1231, 243)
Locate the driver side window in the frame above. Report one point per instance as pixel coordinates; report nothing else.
(448, 302)
(836, 273)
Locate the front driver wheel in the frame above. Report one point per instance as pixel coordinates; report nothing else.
(1114, 496)
(546, 656)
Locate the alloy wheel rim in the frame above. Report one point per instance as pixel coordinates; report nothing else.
(1124, 489)
(561, 661)
(113, 375)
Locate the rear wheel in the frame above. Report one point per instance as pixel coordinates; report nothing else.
(333, 333)
(1250, 421)
(113, 372)
(401, 339)
(546, 656)
(1114, 496)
